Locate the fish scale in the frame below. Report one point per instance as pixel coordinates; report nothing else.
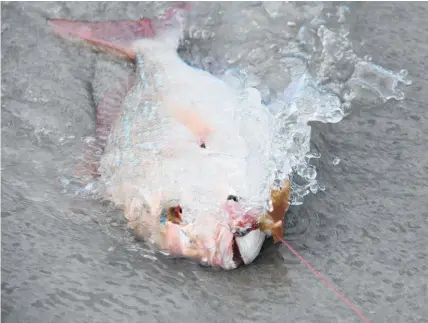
(136, 109)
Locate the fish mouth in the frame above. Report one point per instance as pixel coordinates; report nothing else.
(237, 257)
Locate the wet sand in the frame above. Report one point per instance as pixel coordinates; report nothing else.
(68, 260)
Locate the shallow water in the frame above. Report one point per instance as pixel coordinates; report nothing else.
(69, 259)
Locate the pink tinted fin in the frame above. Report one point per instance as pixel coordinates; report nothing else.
(116, 36)
(108, 110)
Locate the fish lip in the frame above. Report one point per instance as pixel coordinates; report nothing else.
(236, 253)
(250, 246)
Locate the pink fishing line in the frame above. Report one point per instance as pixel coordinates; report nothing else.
(352, 306)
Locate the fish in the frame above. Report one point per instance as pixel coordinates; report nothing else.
(181, 151)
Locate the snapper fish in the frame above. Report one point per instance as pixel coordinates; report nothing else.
(186, 155)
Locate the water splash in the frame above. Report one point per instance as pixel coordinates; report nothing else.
(322, 75)
(327, 80)
(371, 83)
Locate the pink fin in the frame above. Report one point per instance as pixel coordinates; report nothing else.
(116, 36)
(108, 110)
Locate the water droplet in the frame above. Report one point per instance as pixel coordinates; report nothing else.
(403, 73)
(272, 8)
(208, 60)
(206, 34)
(336, 161)
(316, 22)
(265, 94)
(291, 24)
(233, 78)
(197, 34)
(64, 181)
(314, 188)
(312, 173)
(368, 58)
(253, 80)
(298, 200)
(313, 155)
(346, 107)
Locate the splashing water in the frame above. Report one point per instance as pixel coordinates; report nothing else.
(327, 80)
(325, 77)
(369, 253)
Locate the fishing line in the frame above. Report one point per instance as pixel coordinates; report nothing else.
(350, 305)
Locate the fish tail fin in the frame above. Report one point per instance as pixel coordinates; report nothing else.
(125, 37)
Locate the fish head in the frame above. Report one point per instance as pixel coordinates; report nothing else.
(245, 240)
(215, 176)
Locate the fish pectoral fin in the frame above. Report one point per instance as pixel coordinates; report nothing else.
(110, 107)
(280, 201)
(144, 216)
(272, 228)
(108, 110)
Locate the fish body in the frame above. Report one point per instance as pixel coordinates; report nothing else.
(183, 139)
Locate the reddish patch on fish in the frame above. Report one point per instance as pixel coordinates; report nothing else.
(195, 123)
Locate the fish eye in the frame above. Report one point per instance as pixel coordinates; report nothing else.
(173, 214)
(202, 145)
